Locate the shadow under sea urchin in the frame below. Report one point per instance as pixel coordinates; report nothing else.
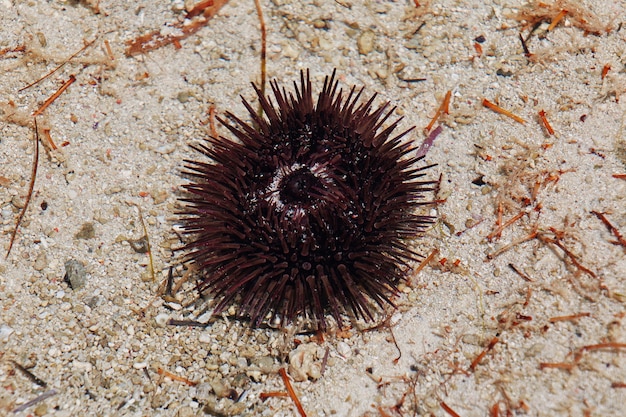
(310, 211)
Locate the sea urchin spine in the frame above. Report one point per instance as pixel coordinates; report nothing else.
(311, 211)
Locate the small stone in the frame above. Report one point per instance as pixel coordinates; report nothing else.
(365, 43)
(265, 364)
(75, 274)
(183, 96)
(166, 149)
(139, 245)
(320, 24)
(344, 350)
(41, 262)
(205, 338)
(41, 410)
(42, 39)
(220, 389)
(159, 196)
(224, 369)
(304, 363)
(86, 231)
(113, 190)
(93, 302)
(178, 6)
(162, 319)
(185, 411)
(18, 201)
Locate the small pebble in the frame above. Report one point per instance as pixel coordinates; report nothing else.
(162, 319)
(41, 410)
(18, 201)
(344, 350)
(75, 274)
(113, 190)
(219, 388)
(205, 338)
(185, 412)
(41, 262)
(224, 369)
(304, 363)
(266, 364)
(183, 96)
(86, 231)
(139, 245)
(365, 43)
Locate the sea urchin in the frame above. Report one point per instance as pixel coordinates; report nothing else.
(311, 211)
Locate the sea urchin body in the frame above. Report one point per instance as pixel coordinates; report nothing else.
(309, 212)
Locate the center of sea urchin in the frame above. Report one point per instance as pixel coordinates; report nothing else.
(299, 187)
(296, 186)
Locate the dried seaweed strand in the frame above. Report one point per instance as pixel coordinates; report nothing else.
(265, 395)
(568, 318)
(520, 273)
(87, 45)
(578, 355)
(546, 123)
(187, 323)
(428, 142)
(482, 354)
(426, 261)
(519, 241)
(259, 12)
(145, 233)
(500, 110)
(54, 96)
(443, 108)
(498, 231)
(448, 410)
(31, 186)
(612, 229)
(198, 16)
(556, 20)
(36, 400)
(175, 377)
(570, 255)
(30, 375)
(292, 393)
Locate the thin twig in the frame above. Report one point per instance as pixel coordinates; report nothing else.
(259, 12)
(87, 45)
(292, 393)
(33, 175)
(570, 255)
(54, 96)
(34, 401)
(145, 233)
(612, 229)
(30, 375)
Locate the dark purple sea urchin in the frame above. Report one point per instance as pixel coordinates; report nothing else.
(310, 212)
